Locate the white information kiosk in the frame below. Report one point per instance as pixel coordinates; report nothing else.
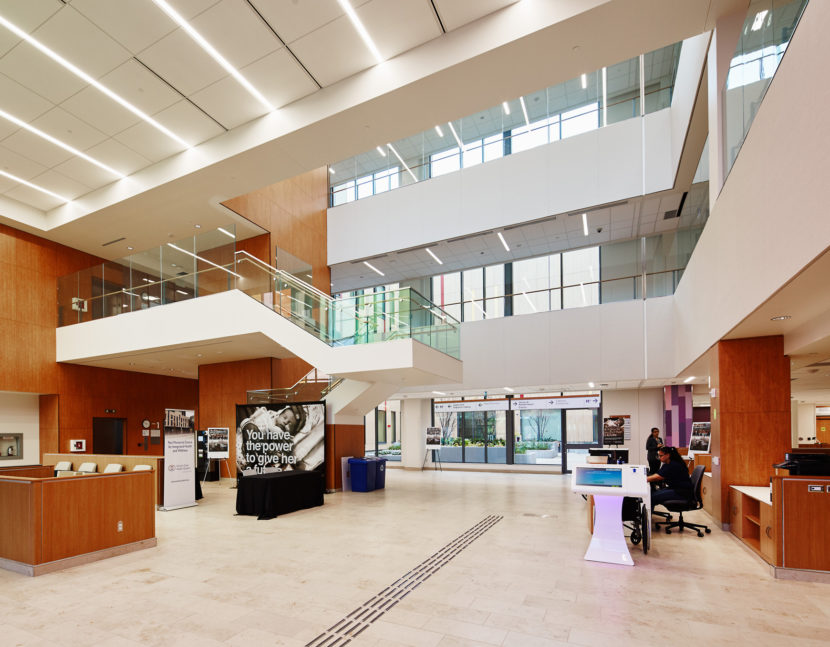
(609, 484)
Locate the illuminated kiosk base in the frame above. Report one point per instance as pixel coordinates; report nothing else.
(608, 541)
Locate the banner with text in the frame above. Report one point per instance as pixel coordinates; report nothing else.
(280, 437)
(179, 459)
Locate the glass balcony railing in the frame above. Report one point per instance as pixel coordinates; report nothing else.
(115, 288)
(313, 386)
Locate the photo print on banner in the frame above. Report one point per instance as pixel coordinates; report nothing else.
(280, 437)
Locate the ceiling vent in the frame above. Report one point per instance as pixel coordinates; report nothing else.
(668, 215)
(112, 242)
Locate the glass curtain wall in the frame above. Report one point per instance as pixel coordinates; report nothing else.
(577, 106)
(382, 430)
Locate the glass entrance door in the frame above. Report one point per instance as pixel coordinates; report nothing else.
(580, 432)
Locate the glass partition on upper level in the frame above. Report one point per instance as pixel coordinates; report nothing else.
(766, 32)
(632, 88)
(206, 264)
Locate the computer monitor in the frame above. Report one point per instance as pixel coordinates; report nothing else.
(599, 477)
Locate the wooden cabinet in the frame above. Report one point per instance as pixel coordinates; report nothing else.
(767, 528)
(706, 493)
(735, 514)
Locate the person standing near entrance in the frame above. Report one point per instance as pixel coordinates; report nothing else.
(653, 443)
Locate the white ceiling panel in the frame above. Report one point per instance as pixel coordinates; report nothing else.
(36, 148)
(455, 13)
(33, 197)
(61, 184)
(141, 87)
(80, 42)
(333, 52)
(39, 73)
(118, 156)
(69, 129)
(188, 122)
(399, 25)
(280, 78)
(182, 63)
(148, 142)
(20, 101)
(94, 107)
(6, 184)
(292, 19)
(188, 9)
(236, 32)
(26, 15)
(81, 171)
(18, 164)
(228, 102)
(7, 128)
(136, 25)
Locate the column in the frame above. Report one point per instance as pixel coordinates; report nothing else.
(416, 416)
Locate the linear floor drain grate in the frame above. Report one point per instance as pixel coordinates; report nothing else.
(357, 621)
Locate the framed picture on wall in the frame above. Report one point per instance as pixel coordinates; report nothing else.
(701, 437)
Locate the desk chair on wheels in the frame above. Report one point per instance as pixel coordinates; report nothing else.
(686, 505)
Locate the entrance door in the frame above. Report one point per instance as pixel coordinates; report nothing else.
(580, 431)
(108, 435)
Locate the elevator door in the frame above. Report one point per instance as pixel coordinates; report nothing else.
(108, 435)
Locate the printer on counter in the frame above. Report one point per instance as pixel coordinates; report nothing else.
(801, 462)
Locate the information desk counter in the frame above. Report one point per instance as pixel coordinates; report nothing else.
(47, 524)
(270, 495)
(609, 484)
(128, 461)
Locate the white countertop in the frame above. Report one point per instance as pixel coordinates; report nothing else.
(762, 494)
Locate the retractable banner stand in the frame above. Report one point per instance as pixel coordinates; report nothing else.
(179, 459)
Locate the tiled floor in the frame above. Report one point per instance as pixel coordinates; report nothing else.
(218, 579)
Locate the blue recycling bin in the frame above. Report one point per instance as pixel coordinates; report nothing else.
(363, 474)
(380, 473)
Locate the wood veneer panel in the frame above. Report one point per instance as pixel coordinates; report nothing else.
(806, 524)
(129, 462)
(29, 471)
(49, 424)
(17, 521)
(81, 514)
(342, 440)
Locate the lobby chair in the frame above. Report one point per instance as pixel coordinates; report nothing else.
(686, 505)
(113, 467)
(88, 468)
(63, 466)
(142, 468)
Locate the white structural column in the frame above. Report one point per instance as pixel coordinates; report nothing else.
(721, 51)
(415, 418)
(803, 422)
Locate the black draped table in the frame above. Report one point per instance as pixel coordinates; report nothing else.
(270, 495)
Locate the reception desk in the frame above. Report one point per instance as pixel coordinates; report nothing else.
(47, 524)
(128, 461)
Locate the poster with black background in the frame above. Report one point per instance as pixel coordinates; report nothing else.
(280, 437)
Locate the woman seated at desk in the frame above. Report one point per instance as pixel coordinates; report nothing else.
(674, 475)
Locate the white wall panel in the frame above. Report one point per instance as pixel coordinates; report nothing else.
(645, 406)
(597, 167)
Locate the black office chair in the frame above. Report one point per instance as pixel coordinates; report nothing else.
(686, 505)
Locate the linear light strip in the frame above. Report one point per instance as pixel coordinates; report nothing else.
(213, 53)
(34, 186)
(505, 107)
(503, 241)
(585, 223)
(524, 111)
(400, 159)
(226, 232)
(435, 258)
(358, 25)
(199, 258)
(57, 142)
(372, 267)
(60, 60)
(439, 131)
(455, 134)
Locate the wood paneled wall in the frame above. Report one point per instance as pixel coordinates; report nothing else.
(49, 422)
(341, 440)
(294, 211)
(221, 388)
(20, 520)
(750, 413)
(86, 392)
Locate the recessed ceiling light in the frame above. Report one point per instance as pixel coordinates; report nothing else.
(367, 39)
(60, 60)
(585, 223)
(182, 292)
(226, 232)
(508, 389)
(455, 134)
(505, 107)
(781, 318)
(524, 111)
(197, 226)
(759, 20)
(130, 248)
(34, 186)
(584, 79)
(503, 241)
(372, 267)
(439, 131)
(213, 53)
(437, 260)
(439, 393)
(590, 385)
(331, 170)
(688, 379)
(57, 142)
